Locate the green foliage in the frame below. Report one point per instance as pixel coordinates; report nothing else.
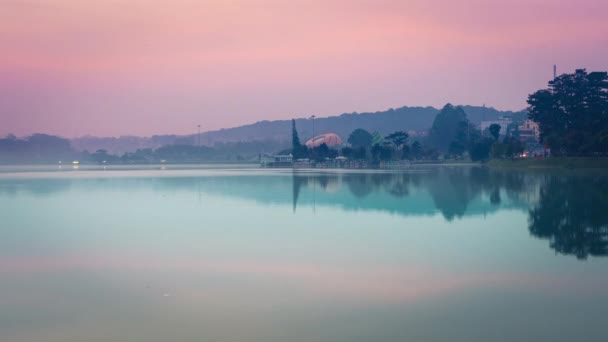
(38, 148)
(509, 148)
(573, 113)
(495, 131)
(297, 149)
(398, 139)
(449, 130)
(321, 152)
(360, 153)
(347, 152)
(416, 150)
(514, 147)
(360, 138)
(295, 138)
(381, 153)
(480, 150)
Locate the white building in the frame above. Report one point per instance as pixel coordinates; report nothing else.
(529, 131)
(270, 160)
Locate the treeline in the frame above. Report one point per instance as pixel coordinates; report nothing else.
(455, 137)
(452, 136)
(37, 149)
(363, 146)
(49, 149)
(572, 114)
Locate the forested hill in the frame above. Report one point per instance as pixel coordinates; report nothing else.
(385, 122)
(279, 132)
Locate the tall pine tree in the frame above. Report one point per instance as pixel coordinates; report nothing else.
(297, 149)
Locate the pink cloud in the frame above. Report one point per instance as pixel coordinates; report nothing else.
(99, 67)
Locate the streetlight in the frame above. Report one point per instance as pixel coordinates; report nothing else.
(199, 136)
(313, 131)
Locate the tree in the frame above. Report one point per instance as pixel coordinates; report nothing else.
(100, 156)
(347, 152)
(295, 138)
(360, 153)
(416, 150)
(298, 150)
(513, 147)
(398, 142)
(480, 150)
(321, 152)
(573, 113)
(574, 224)
(495, 131)
(360, 138)
(449, 130)
(381, 153)
(399, 139)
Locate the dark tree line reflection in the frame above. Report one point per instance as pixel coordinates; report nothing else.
(451, 189)
(572, 214)
(567, 208)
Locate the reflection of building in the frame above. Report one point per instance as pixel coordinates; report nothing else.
(268, 160)
(503, 122)
(528, 131)
(329, 139)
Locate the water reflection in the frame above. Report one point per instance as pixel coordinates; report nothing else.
(564, 207)
(276, 255)
(567, 209)
(454, 192)
(572, 214)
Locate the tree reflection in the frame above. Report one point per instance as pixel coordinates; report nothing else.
(325, 182)
(451, 189)
(360, 185)
(572, 213)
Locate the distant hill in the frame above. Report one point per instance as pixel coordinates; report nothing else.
(277, 134)
(120, 145)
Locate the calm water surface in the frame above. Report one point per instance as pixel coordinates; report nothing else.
(437, 254)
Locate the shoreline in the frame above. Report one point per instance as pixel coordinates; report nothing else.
(550, 163)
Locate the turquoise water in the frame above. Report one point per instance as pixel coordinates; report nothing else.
(235, 254)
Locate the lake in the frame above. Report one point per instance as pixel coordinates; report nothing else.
(229, 253)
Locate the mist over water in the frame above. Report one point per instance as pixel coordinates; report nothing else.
(434, 254)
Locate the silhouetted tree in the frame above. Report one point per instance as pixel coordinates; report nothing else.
(571, 214)
(416, 150)
(298, 150)
(573, 113)
(360, 153)
(347, 152)
(398, 139)
(495, 131)
(360, 138)
(480, 150)
(321, 152)
(448, 132)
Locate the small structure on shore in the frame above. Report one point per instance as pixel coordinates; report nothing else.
(278, 160)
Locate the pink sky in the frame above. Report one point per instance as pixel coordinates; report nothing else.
(143, 67)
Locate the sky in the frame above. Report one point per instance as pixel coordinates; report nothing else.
(144, 67)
